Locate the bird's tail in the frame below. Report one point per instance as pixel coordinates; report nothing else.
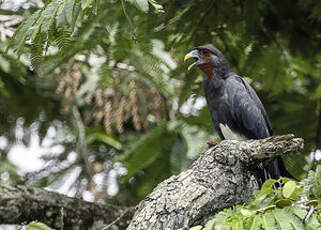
(274, 170)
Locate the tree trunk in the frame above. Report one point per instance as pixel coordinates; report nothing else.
(220, 178)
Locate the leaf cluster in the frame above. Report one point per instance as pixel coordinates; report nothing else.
(294, 205)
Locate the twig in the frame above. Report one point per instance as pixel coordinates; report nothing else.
(82, 144)
(308, 215)
(115, 221)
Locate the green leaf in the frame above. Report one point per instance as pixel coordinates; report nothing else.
(246, 212)
(281, 219)
(3, 90)
(69, 11)
(146, 150)
(265, 209)
(17, 41)
(86, 3)
(37, 50)
(299, 212)
(103, 137)
(313, 203)
(154, 173)
(296, 223)
(267, 186)
(75, 13)
(187, 88)
(288, 189)
(4, 64)
(313, 222)
(237, 224)
(159, 8)
(48, 16)
(268, 221)
(283, 203)
(34, 225)
(317, 93)
(210, 224)
(256, 223)
(198, 227)
(141, 4)
(313, 184)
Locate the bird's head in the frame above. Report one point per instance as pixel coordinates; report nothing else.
(209, 59)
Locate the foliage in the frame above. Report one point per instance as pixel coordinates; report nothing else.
(294, 205)
(313, 184)
(34, 225)
(119, 64)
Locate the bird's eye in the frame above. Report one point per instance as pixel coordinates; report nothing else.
(205, 52)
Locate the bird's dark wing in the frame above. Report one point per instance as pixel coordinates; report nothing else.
(247, 110)
(252, 121)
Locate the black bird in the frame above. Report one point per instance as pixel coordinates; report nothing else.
(236, 110)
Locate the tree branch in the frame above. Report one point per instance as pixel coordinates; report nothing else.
(220, 178)
(19, 204)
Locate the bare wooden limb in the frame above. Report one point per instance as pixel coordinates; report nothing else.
(20, 204)
(221, 177)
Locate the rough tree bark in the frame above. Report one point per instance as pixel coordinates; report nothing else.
(221, 177)
(20, 204)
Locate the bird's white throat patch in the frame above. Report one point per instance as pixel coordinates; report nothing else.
(230, 135)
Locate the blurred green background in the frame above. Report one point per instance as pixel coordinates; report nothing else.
(96, 102)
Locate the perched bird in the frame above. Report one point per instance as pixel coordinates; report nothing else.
(236, 110)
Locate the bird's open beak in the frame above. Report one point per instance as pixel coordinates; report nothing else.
(192, 54)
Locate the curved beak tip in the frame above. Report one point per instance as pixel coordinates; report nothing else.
(187, 56)
(191, 54)
(190, 67)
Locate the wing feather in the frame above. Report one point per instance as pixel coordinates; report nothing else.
(247, 110)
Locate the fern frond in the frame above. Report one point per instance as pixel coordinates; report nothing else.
(37, 48)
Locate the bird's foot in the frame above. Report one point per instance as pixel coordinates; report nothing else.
(211, 144)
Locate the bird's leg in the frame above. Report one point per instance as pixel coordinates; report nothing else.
(211, 144)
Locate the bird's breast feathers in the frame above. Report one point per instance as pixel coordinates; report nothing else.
(229, 134)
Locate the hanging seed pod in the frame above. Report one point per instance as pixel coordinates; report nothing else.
(98, 116)
(68, 94)
(69, 82)
(157, 103)
(88, 97)
(108, 117)
(61, 86)
(146, 122)
(75, 75)
(65, 108)
(120, 115)
(99, 97)
(134, 106)
(127, 109)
